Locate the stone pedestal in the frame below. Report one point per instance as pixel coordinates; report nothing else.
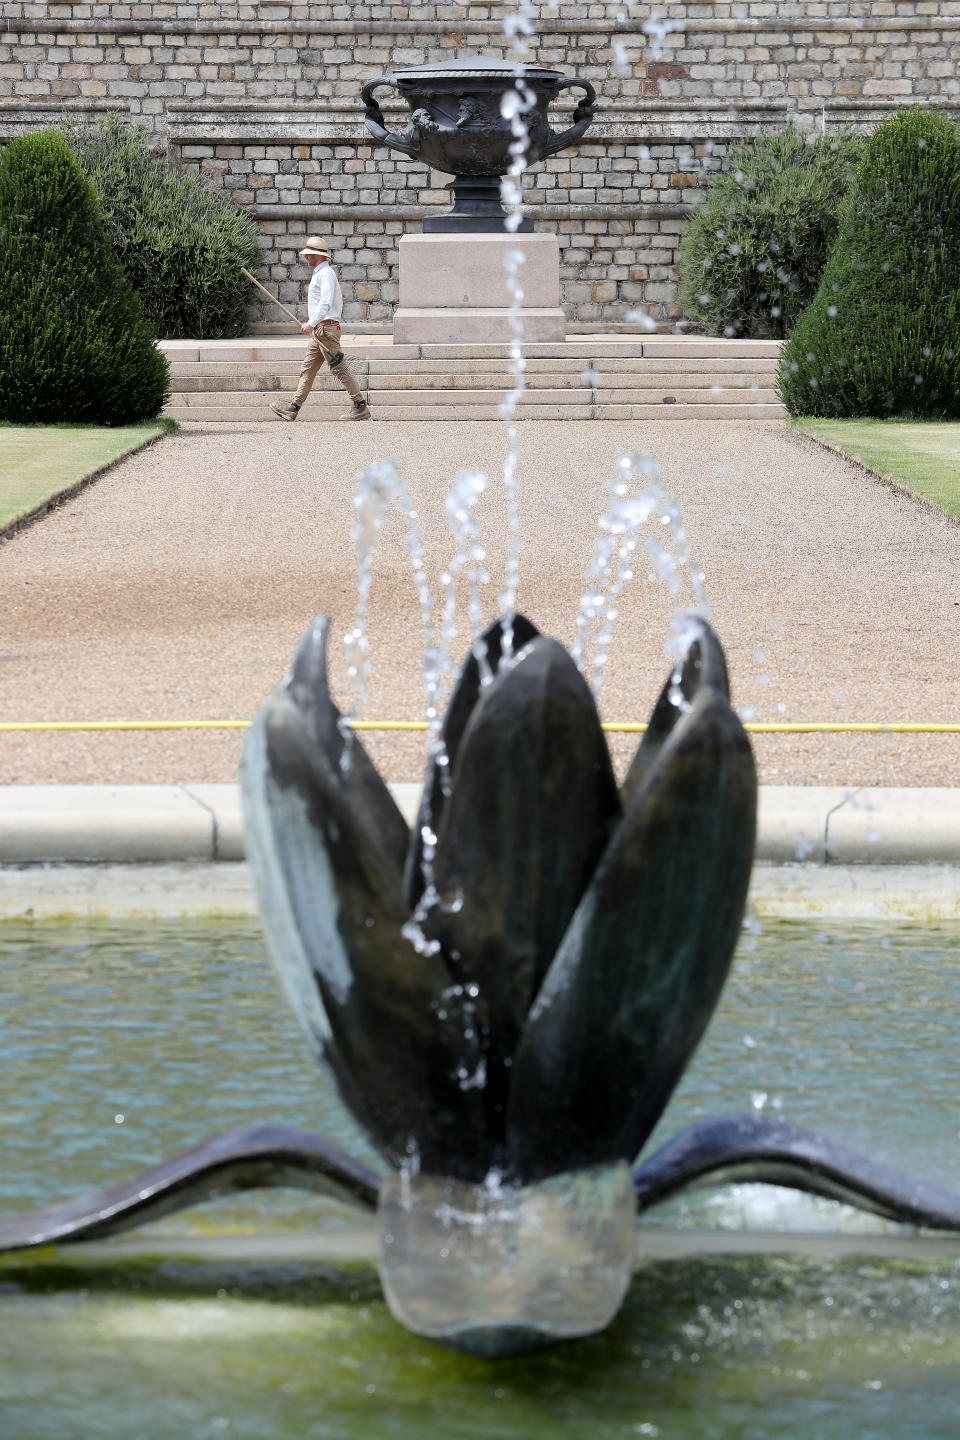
(453, 289)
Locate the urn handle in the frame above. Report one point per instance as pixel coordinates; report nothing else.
(374, 118)
(582, 116)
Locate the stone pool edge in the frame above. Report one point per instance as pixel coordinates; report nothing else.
(99, 850)
(820, 825)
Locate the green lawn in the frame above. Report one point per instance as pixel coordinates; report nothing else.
(40, 462)
(921, 455)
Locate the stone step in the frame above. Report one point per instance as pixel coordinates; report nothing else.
(245, 415)
(334, 399)
(582, 347)
(642, 378)
(217, 370)
(256, 400)
(686, 395)
(379, 384)
(664, 347)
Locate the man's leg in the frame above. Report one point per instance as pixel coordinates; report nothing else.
(309, 370)
(312, 361)
(340, 367)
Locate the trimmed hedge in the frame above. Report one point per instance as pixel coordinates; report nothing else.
(180, 244)
(882, 336)
(74, 345)
(753, 251)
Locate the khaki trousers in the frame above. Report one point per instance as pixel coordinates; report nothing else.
(324, 346)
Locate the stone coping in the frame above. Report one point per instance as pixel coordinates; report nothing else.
(343, 123)
(196, 889)
(350, 105)
(799, 826)
(537, 211)
(340, 122)
(356, 1244)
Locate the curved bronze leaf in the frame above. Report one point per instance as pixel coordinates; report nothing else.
(248, 1157)
(644, 960)
(745, 1149)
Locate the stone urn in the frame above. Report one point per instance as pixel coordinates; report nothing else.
(457, 125)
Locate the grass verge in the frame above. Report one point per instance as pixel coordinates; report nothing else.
(41, 463)
(922, 456)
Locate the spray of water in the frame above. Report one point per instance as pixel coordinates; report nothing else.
(636, 498)
(378, 488)
(468, 564)
(518, 28)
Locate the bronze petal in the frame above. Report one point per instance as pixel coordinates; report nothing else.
(703, 664)
(381, 1011)
(465, 695)
(530, 813)
(644, 960)
(371, 801)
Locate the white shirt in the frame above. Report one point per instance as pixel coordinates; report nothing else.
(324, 301)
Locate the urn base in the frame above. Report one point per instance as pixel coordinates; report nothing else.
(455, 224)
(476, 210)
(497, 1269)
(454, 290)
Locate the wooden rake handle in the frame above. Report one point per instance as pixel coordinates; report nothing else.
(271, 297)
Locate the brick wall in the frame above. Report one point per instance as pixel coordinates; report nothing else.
(262, 101)
(617, 206)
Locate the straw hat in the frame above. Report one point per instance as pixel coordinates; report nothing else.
(316, 245)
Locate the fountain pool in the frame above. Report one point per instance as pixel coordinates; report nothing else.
(122, 1043)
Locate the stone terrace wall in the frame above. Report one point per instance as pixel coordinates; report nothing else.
(262, 101)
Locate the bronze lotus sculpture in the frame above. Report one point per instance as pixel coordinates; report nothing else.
(462, 122)
(561, 906)
(508, 995)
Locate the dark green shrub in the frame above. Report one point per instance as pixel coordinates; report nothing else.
(882, 336)
(752, 253)
(73, 342)
(180, 244)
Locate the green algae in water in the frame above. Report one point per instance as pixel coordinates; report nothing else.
(720, 1348)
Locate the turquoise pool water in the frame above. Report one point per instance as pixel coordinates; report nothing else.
(119, 1044)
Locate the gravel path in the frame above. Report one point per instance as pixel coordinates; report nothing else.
(177, 585)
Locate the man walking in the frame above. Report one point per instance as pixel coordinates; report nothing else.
(324, 308)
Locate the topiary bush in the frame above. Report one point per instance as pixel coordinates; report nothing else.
(180, 244)
(74, 345)
(753, 251)
(882, 336)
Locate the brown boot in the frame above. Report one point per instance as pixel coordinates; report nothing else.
(360, 410)
(289, 411)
